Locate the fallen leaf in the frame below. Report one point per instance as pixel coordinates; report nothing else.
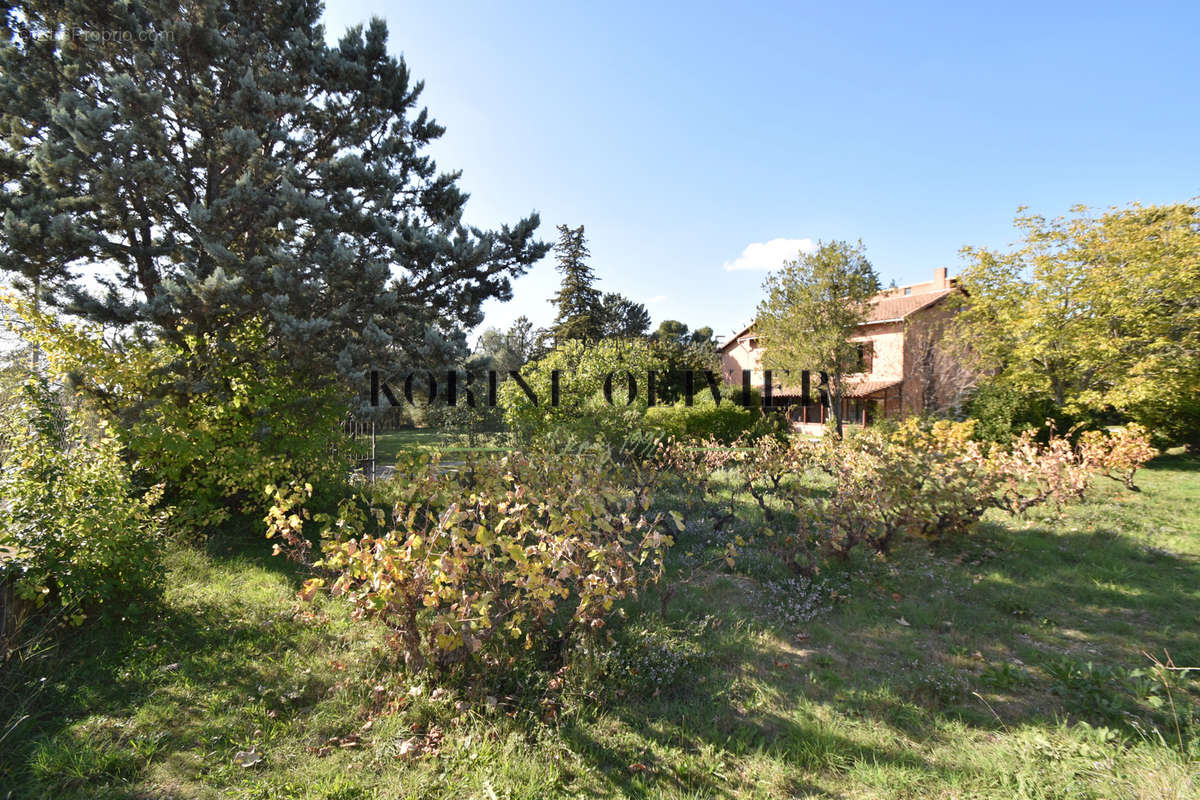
(248, 758)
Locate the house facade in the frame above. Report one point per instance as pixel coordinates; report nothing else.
(906, 367)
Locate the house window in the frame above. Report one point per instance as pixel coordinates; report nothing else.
(908, 290)
(866, 356)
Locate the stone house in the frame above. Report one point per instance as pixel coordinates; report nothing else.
(906, 367)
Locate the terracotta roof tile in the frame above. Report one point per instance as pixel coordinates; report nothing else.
(864, 388)
(901, 306)
(883, 309)
(853, 388)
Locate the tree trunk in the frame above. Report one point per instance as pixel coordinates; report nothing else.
(835, 407)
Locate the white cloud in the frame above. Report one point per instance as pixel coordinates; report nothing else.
(770, 255)
(658, 298)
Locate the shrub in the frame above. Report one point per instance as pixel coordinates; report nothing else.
(585, 415)
(918, 478)
(773, 424)
(1171, 413)
(705, 419)
(922, 479)
(937, 478)
(216, 452)
(583, 412)
(1028, 473)
(465, 563)
(1002, 412)
(1118, 453)
(241, 421)
(74, 533)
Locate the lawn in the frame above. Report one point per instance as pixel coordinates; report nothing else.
(1007, 664)
(389, 446)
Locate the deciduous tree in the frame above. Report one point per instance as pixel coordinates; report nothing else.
(1095, 311)
(682, 349)
(811, 308)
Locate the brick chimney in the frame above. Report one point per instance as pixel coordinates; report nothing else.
(940, 281)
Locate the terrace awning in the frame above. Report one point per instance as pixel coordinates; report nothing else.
(852, 388)
(868, 388)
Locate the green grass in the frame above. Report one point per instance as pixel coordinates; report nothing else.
(755, 686)
(389, 446)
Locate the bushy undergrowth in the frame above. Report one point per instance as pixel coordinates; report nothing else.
(822, 499)
(75, 533)
(1114, 694)
(704, 419)
(471, 564)
(582, 409)
(1118, 453)
(642, 660)
(511, 562)
(603, 396)
(239, 420)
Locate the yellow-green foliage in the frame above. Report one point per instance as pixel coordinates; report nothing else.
(583, 410)
(1092, 312)
(241, 421)
(1118, 453)
(466, 563)
(74, 531)
(724, 422)
(921, 479)
(220, 449)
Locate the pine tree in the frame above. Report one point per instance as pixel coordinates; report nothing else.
(622, 318)
(211, 162)
(511, 349)
(680, 350)
(578, 301)
(672, 331)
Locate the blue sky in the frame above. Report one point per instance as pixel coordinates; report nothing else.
(681, 134)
